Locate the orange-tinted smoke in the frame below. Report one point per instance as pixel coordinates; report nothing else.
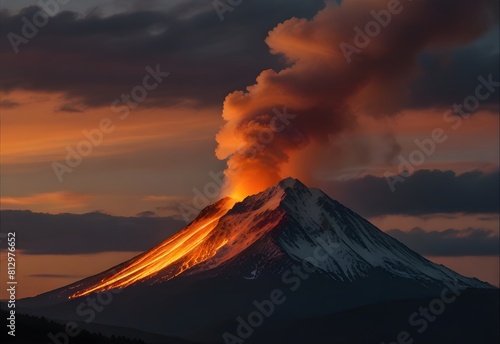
(323, 91)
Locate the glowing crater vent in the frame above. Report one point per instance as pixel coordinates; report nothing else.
(180, 252)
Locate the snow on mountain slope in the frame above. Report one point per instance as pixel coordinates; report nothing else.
(356, 246)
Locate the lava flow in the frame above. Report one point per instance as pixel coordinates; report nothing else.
(180, 252)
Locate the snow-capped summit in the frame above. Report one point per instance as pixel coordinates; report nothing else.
(291, 221)
(290, 183)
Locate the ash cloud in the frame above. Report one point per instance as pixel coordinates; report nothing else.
(324, 91)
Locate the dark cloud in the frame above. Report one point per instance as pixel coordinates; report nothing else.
(40, 233)
(424, 192)
(68, 108)
(95, 59)
(449, 76)
(450, 242)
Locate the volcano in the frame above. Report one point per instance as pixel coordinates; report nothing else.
(289, 243)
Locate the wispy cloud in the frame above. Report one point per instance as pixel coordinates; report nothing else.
(9, 104)
(71, 108)
(60, 200)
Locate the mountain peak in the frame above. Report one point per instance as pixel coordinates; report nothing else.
(289, 221)
(290, 182)
(292, 187)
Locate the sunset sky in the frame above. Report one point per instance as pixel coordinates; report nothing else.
(162, 96)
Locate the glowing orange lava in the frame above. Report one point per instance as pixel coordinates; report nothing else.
(180, 252)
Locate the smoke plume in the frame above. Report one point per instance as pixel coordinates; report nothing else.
(334, 74)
